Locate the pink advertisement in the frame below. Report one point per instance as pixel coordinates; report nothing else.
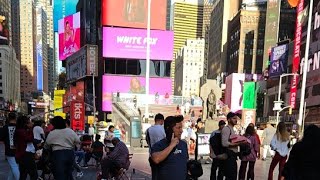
(132, 43)
(131, 86)
(69, 35)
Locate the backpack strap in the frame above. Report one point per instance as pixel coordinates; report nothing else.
(148, 137)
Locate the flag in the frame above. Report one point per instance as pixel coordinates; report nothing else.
(249, 95)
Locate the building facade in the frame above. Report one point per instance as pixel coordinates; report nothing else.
(189, 68)
(15, 24)
(27, 10)
(187, 23)
(246, 42)
(208, 6)
(222, 12)
(9, 75)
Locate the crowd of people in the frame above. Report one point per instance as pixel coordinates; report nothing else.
(301, 164)
(56, 149)
(59, 150)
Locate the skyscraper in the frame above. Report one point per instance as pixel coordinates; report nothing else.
(245, 42)
(222, 12)
(42, 50)
(187, 21)
(189, 68)
(27, 36)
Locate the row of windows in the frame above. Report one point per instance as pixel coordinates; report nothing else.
(137, 67)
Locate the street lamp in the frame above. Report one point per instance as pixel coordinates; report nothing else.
(278, 103)
(148, 61)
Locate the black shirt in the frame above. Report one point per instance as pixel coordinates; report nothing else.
(175, 165)
(7, 135)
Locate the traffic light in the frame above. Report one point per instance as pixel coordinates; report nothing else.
(290, 110)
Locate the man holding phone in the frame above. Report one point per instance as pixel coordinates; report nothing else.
(171, 153)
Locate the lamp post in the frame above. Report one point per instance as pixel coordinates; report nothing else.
(278, 103)
(148, 61)
(305, 71)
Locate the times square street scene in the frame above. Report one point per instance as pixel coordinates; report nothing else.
(159, 89)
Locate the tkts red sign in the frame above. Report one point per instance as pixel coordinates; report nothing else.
(77, 115)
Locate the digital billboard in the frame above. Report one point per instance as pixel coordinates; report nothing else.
(271, 33)
(4, 31)
(131, 85)
(312, 96)
(278, 60)
(69, 35)
(132, 43)
(134, 13)
(82, 63)
(61, 9)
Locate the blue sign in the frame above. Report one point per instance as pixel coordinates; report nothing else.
(61, 9)
(278, 60)
(39, 68)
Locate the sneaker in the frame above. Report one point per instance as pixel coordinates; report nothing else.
(79, 174)
(84, 166)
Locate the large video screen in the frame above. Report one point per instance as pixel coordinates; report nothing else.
(69, 35)
(61, 9)
(134, 13)
(132, 43)
(131, 86)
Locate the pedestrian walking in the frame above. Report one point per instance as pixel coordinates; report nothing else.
(252, 157)
(62, 142)
(267, 136)
(154, 134)
(280, 144)
(171, 153)
(91, 132)
(230, 166)
(217, 153)
(7, 135)
(25, 152)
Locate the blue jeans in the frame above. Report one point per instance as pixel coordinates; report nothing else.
(14, 173)
(63, 164)
(80, 155)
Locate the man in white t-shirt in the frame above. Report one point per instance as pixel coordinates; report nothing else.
(38, 133)
(154, 134)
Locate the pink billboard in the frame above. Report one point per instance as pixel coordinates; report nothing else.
(132, 43)
(131, 86)
(69, 35)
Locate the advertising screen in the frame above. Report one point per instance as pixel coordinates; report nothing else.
(132, 43)
(134, 13)
(131, 85)
(4, 31)
(278, 60)
(272, 22)
(312, 96)
(69, 35)
(62, 8)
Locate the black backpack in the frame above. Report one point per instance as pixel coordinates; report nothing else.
(245, 150)
(216, 144)
(195, 169)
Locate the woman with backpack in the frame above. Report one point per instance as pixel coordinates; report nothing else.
(252, 157)
(280, 144)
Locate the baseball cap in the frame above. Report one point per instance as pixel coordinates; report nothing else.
(221, 123)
